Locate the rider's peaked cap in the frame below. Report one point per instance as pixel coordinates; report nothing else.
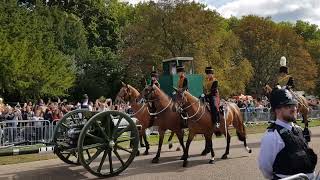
(180, 68)
(154, 73)
(281, 97)
(209, 70)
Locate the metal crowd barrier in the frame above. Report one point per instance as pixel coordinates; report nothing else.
(263, 115)
(25, 131)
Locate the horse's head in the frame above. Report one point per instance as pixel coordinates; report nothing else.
(127, 93)
(267, 90)
(150, 93)
(180, 97)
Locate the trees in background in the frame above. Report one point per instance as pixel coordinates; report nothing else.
(68, 48)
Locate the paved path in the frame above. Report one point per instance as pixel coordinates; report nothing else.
(240, 164)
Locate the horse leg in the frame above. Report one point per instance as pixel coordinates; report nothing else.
(186, 152)
(206, 149)
(170, 139)
(161, 135)
(146, 152)
(180, 135)
(305, 120)
(141, 139)
(210, 146)
(228, 137)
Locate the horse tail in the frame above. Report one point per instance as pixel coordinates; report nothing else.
(238, 123)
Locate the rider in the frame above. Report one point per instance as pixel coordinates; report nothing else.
(183, 80)
(211, 93)
(154, 78)
(284, 80)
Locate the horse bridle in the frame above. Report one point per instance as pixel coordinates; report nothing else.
(148, 100)
(198, 110)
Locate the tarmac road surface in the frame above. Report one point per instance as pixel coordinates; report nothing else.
(240, 164)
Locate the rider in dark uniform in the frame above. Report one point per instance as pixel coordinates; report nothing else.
(284, 80)
(211, 93)
(183, 80)
(154, 78)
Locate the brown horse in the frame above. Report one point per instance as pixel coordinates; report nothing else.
(303, 106)
(127, 93)
(167, 118)
(199, 122)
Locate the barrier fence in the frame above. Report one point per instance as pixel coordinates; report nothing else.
(28, 132)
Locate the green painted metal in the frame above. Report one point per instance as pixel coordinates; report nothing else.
(167, 82)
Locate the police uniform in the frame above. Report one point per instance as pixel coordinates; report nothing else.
(210, 87)
(183, 80)
(283, 150)
(284, 80)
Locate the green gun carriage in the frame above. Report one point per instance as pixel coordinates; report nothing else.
(104, 143)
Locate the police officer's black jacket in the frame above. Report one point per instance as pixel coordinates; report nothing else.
(296, 156)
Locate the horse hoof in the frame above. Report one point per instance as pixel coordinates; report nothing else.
(138, 153)
(250, 151)
(155, 160)
(146, 153)
(224, 156)
(170, 146)
(185, 163)
(178, 149)
(211, 161)
(183, 157)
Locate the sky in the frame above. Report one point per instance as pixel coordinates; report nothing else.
(278, 10)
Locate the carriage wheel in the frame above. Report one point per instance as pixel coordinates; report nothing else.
(66, 151)
(108, 143)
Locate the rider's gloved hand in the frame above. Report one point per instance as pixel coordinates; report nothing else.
(307, 134)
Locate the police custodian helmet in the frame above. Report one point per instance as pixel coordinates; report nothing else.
(281, 97)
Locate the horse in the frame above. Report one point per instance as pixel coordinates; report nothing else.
(199, 122)
(127, 93)
(167, 117)
(303, 105)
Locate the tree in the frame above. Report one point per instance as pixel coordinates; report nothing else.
(264, 42)
(31, 63)
(164, 30)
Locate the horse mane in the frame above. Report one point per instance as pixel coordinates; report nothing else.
(134, 90)
(190, 96)
(161, 93)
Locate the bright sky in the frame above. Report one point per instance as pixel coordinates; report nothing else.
(279, 10)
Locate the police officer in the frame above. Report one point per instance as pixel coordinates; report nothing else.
(284, 80)
(284, 151)
(183, 80)
(211, 94)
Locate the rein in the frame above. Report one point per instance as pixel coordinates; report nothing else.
(198, 110)
(156, 113)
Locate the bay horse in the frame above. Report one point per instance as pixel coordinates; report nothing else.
(127, 93)
(199, 122)
(303, 106)
(167, 118)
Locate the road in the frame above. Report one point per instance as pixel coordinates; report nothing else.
(240, 165)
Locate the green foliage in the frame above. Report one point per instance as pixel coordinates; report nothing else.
(31, 63)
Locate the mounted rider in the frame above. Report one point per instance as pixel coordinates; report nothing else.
(183, 80)
(154, 78)
(211, 94)
(284, 80)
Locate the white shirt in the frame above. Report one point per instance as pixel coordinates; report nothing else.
(271, 145)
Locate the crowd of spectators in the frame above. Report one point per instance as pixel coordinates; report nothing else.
(53, 110)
